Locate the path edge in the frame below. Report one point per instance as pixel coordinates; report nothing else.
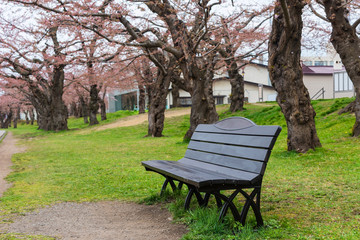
(2, 135)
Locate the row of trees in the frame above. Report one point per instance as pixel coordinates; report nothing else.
(10, 109)
(174, 49)
(83, 48)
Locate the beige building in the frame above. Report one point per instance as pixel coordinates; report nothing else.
(322, 82)
(257, 87)
(327, 82)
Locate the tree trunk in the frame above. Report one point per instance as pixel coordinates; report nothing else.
(157, 93)
(53, 117)
(2, 119)
(94, 104)
(7, 122)
(287, 78)
(175, 95)
(356, 127)
(347, 44)
(51, 110)
(17, 116)
(142, 101)
(56, 119)
(27, 121)
(102, 109)
(73, 109)
(237, 93)
(236, 79)
(80, 108)
(350, 108)
(15, 122)
(237, 89)
(32, 116)
(203, 108)
(77, 110)
(84, 109)
(5, 119)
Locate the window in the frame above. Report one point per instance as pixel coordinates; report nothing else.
(307, 63)
(219, 100)
(320, 63)
(342, 82)
(185, 101)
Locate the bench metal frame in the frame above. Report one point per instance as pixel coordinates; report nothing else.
(222, 201)
(251, 179)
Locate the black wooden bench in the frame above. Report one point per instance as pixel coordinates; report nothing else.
(228, 155)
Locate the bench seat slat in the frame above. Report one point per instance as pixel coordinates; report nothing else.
(241, 140)
(257, 130)
(229, 150)
(231, 162)
(235, 173)
(196, 176)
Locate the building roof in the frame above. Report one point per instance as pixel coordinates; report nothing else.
(247, 82)
(318, 70)
(312, 70)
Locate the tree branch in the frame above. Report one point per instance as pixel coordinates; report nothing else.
(317, 14)
(356, 24)
(285, 10)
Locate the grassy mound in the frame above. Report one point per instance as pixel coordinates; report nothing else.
(305, 196)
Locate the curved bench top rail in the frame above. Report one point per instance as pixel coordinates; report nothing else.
(234, 123)
(257, 130)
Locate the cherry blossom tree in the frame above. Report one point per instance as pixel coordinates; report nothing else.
(6, 110)
(36, 68)
(241, 38)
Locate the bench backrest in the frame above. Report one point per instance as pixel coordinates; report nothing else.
(235, 143)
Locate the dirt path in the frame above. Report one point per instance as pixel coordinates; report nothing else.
(8, 147)
(108, 220)
(141, 118)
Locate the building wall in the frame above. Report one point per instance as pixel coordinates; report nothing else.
(114, 102)
(316, 82)
(257, 74)
(253, 95)
(252, 73)
(343, 86)
(183, 93)
(344, 94)
(222, 88)
(269, 94)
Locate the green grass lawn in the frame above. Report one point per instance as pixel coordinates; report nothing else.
(305, 196)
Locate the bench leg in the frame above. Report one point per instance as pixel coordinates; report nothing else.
(249, 202)
(203, 201)
(254, 205)
(172, 184)
(228, 202)
(218, 201)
